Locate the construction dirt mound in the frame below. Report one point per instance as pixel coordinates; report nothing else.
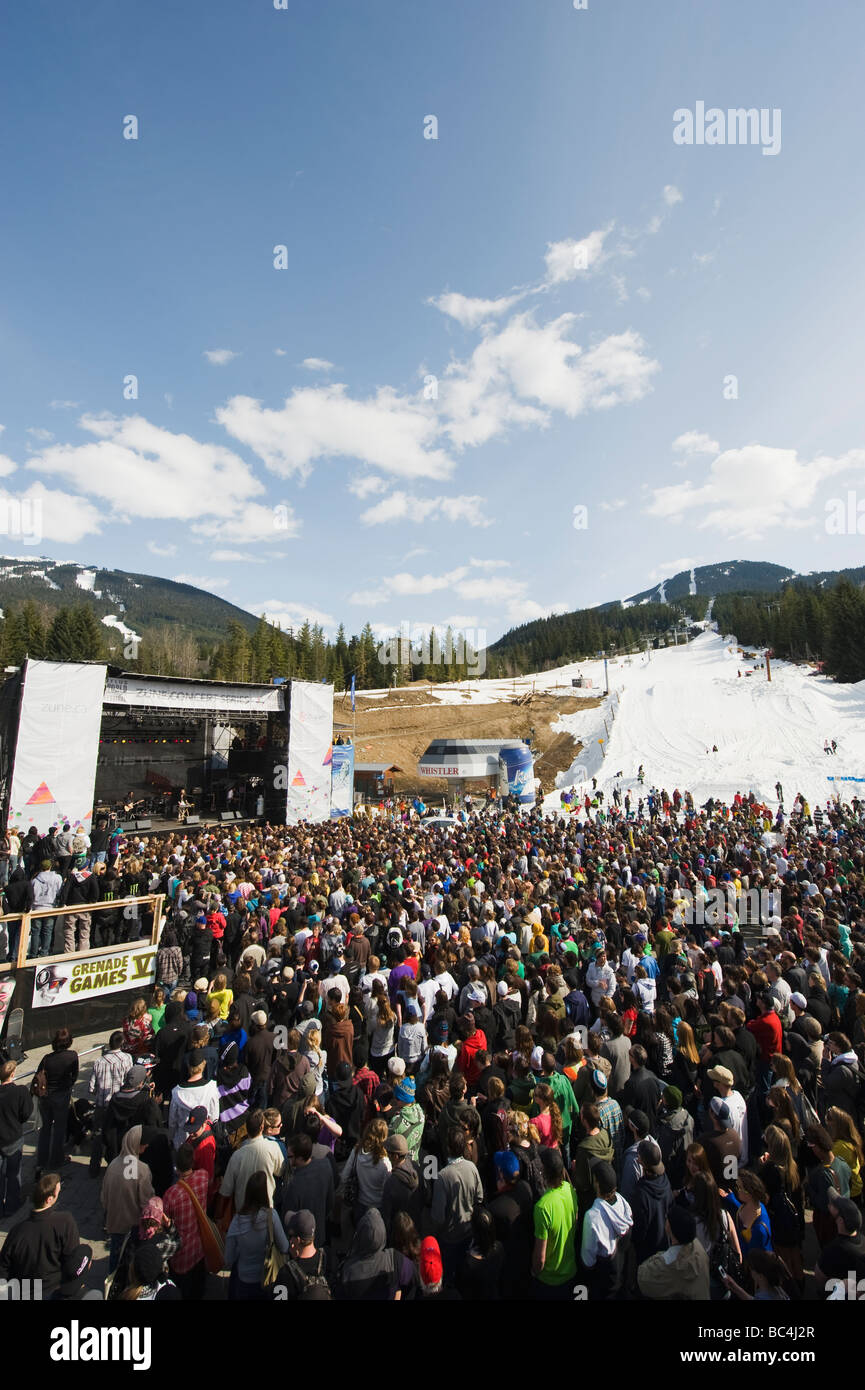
(397, 728)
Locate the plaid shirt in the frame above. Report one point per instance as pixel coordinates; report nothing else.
(179, 1206)
(108, 1075)
(612, 1121)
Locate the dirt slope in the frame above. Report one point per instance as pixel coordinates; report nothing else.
(400, 726)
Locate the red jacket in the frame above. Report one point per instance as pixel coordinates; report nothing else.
(467, 1056)
(769, 1034)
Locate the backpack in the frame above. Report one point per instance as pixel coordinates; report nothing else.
(784, 1220)
(723, 1254)
(859, 1081)
(302, 1281)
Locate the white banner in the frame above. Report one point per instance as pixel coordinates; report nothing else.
(71, 981)
(132, 691)
(310, 744)
(58, 745)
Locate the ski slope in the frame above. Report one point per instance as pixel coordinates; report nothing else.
(666, 710)
(670, 708)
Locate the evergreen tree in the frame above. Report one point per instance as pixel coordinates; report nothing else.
(62, 641)
(89, 635)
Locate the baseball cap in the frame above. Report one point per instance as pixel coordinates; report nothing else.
(847, 1210)
(799, 1000)
(506, 1163)
(649, 1154)
(302, 1224)
(722, 1074)
(260, 1018)
(501, 989)
(196, 1117)
(720, 1108)
(599, 1081)
(396, 1144)
(430, 1262)
(136, 1076)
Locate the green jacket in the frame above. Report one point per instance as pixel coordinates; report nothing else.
(565, 1099)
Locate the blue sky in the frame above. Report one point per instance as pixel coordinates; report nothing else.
(473, 335)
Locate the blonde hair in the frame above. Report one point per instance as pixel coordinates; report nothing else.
(840, 1126)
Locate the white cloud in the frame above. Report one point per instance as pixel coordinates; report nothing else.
(220, 357)
(615, 505)
(456, 620)
(317, 364)
(417, 584)
(539, 364)
(230, 556)
(280, 352)
(63, 405)
(672, 196)
(526, 609)
(254, 522)
(142, 470)
(643, 293)
(7, 465)
(751, 490)
(567, 259)
(401, 505)
(497, 590)
(473, 312)
(367, 485)
(201, 581)
(395, 433)
(368, 598)
(620, 286)
(44, 436)
(161, 549)
(671, 567)
(286, 615)
(489, 564)
(493, 591)
(58, 516)
(691, 443)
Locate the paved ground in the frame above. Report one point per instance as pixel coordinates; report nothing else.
(79, 1193)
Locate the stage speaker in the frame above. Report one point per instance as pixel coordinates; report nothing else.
(193, 820)
(127, 826)
(144, 825)
(226, 815)
(238, 815)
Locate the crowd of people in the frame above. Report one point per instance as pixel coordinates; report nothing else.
(499, 1058)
